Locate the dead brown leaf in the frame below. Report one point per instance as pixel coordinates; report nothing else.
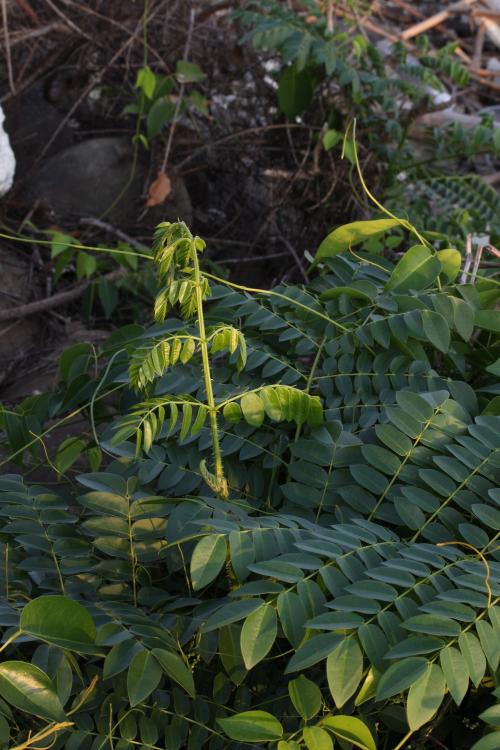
(159, 190)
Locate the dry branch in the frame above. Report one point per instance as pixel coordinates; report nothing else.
(57, 300)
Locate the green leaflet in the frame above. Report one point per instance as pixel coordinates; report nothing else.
(258, 635)
(436, 329)
(350, 729)
(230, 653)
(400, 676)
(349, 235)
(305, 696)
(456, 672)
(451, 261)
(488, 742)
(432, 625)
(313, 651)
(61, 621)
(176, 669)
(489, 320)
(417, 269)
(207, 560)
(252, 726)
(253, 409)
(344, 668)
(472, 652)
(143, 676)
(295, 91)
(316, 738)
(29, 689)
(425, 696)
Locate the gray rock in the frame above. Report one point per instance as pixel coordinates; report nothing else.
(93, 178)
(31, 121)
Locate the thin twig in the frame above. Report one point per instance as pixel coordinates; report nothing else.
(329, 16)
(26, 7)
(240, 134)
(112, 230)
(296, 258)
(17, 37)
(181, 94)
(478, 46)
(468, 259)
(7, 46)
(251, 259)
(436, 19)
(477, 261)
(70, 23)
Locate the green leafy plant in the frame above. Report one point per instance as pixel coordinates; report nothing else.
(156, 103)
(331, 73)
(313, 562)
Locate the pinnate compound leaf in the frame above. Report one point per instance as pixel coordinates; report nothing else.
(425, 696)
(348, 235)
(350, 729)
(252, 726)
(143, 677)
(305, 696)
(258, 635)
(29, 689)
(60, 621)
(344, 668)
(316, 738)
(176, 669)
(207, 560)
(417, 269)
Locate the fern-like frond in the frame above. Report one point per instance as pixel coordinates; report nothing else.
(147, 420)
(279, 403)
(150, 362)
(228, 338)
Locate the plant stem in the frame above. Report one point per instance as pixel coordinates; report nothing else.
(403, 742)
(221, 482)
(10, 640)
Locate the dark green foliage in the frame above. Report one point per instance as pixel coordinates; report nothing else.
(341, 75)
(454, 206)
(347, 588)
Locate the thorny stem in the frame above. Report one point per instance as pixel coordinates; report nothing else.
(222, 488)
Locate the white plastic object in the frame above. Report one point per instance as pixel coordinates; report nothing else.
(7, 159)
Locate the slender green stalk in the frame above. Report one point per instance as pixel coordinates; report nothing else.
(221, 486)
(10, 640)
